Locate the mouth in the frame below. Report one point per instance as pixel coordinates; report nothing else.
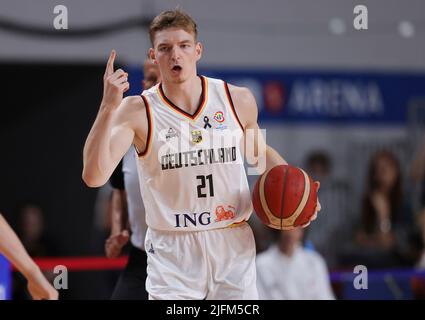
(176, 69)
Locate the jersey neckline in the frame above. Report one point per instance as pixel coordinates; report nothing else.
(202, 102)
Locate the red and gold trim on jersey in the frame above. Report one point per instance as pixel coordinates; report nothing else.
(149, 135)
(177, 110)
(232, 106)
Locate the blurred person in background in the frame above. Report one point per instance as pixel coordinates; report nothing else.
(334, 197)
(10, 246)
(31, 231)
(417, 173)
(383, 238)
(128, 215)
(288, 271)
(421, 224)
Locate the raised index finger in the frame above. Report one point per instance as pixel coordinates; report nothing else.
(110, 63)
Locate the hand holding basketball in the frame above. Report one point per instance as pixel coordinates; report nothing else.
(285, 197)
(115, 83)
(318, 206)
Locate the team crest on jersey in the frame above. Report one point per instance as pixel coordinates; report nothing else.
(223, 213)
(196, 136)
(219, 116)
(171, 134)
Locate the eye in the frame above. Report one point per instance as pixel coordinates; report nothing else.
(183, 46)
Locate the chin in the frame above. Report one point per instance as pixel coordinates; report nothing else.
(178, 79)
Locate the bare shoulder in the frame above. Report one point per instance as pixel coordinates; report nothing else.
(131, 113)
(130, 107)
(244, 103)
(133, 103)
(241, 94)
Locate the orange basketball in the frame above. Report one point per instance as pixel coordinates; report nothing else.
(285, 197)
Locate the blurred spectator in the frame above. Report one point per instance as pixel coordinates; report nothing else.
(383, 237)
(421, 223)
(38, 287)
(261, 233)
(418, 282)
(288, 271)
(335, 219)
(319, 165)
(417, 173)
(31, 231)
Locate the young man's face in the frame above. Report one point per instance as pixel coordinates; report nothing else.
(176, 53)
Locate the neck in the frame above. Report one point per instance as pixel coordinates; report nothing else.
(186, 95)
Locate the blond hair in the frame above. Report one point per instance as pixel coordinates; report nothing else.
(172, 19)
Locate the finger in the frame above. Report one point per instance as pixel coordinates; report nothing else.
(305, 225)
(116, 75)
(110, 64)
(124, 235)
(111, 253)
(121, 80)
(124, 86)
(318, 207)
(122, 240)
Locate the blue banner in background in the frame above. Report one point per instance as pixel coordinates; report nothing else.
(323, 97)
(330, 97)
(5, 279)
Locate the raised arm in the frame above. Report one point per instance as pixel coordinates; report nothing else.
(114, 129)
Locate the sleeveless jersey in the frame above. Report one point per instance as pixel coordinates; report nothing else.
(191, 173)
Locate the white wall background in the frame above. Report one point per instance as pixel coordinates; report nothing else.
(235, 33)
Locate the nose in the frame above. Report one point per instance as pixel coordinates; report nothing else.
(175, 53)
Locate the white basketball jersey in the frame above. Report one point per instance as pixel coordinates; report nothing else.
(192, 174)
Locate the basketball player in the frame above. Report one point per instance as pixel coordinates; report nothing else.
(126, 195)
(12, 248)
(191, 254)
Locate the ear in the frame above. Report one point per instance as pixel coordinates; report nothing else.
(152, 55)
(198, 48)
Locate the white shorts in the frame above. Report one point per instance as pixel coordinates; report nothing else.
(216, 264)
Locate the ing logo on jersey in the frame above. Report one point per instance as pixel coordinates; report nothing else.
(222, 214)
(219, 116)
(196, 136)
